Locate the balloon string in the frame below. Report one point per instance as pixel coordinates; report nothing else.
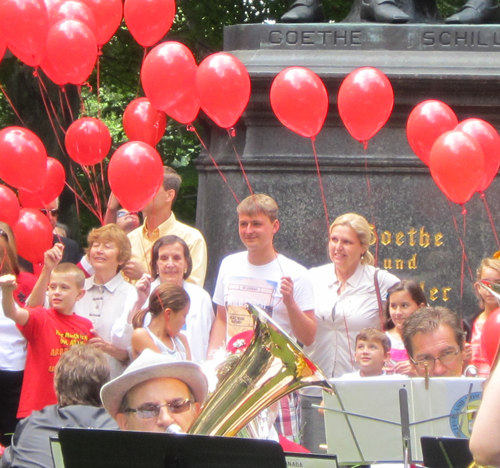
(483, 197)
(42, 88)
(68, 104)
(83, 197)
(231, 133)
(12, 105)
(98, 77)
(191, 128)
(370, 201)
(323, 198)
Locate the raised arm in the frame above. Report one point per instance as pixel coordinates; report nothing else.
(8, 284)
(51, 259)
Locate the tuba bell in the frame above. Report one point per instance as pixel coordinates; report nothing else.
(272, 366)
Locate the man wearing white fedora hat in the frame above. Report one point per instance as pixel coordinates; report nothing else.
(156, 394)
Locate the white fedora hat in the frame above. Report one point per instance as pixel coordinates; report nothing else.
(150, 365)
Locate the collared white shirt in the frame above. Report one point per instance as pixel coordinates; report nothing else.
(340, 317)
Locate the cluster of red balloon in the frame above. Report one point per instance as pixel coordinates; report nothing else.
(220, 85)
(463, 158)
(61, 37)
(24, 165)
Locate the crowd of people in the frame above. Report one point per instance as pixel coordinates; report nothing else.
(135, 305)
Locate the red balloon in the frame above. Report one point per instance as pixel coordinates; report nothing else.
(489, 140)
(223, 87)
(25, 24)
(53, 186)
(52, 73)
(135, 174)
(149, 21)
(108, 16)
(9, 206)
(365, 102)
(428, 121)
(23, 159)
(3, 46)
(300, 100)
(457, 165)
(142, 122)
(186, 109)
(490, 336)
(72, 9)
(33, 233)
(72, 50)
(88, 141)
(172, 63)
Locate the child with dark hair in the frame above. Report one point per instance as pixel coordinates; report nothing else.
(403, 299)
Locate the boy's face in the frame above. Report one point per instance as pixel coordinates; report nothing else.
(370, 356)
(63, 293)
(257, 232)
(103, 255)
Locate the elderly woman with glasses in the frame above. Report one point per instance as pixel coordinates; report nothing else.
(13, 344)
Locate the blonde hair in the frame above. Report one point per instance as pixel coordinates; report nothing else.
(492, 263)
(112, 233)
(70, 270)
(363, 230)
(8, 252)
(259, 203)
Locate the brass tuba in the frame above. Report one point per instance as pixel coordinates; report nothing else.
(272, 366)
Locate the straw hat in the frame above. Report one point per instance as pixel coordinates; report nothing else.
(150, 365)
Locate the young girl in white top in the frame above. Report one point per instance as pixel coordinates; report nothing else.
(168, 307)
(403, 299)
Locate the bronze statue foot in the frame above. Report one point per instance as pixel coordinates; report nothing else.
(382, 11)
(304, 11)
(476, 12)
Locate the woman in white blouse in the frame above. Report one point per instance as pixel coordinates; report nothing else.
(348, 296)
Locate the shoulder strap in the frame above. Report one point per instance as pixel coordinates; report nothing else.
(379, 300)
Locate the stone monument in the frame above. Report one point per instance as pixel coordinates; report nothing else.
(389, 185)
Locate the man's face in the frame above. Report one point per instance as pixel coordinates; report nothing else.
(63, 292)
(257, 232)
(52, 212)
(157, 392)
(127, 221)
(370, 356)
(438, 344)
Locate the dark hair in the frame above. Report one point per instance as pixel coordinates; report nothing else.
(165, 296)
(413, 288)
(79, 376)
(373, 334)
(170, 240)
(427, 320)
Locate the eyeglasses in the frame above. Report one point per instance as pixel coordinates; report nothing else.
(54, 212)
(4, 235)
(123, 213)
(447, 358)
(149, 411)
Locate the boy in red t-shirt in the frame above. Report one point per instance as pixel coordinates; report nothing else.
(49, 332)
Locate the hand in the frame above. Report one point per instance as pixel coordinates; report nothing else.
(53, 256)
(286, 290)
(133, 269)
(143, 287)
(107, 347)
(467, 354)
(8, 283)
(405, 368)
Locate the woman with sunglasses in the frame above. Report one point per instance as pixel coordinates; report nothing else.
(13, 348)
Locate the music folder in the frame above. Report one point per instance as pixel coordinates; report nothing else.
(364, 418)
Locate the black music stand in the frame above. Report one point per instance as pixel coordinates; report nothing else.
(446, 452)
(84, 448)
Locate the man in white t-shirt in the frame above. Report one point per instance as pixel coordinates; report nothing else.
(263, 278)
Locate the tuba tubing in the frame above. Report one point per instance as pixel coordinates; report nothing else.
(272, 366)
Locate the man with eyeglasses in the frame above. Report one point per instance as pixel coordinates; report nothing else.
(156, 394)
(434, 341)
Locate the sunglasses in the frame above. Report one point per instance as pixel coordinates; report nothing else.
(149, 411)
(54, 212)
(123, 213)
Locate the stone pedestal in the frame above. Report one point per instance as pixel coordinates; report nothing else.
(459, 65)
